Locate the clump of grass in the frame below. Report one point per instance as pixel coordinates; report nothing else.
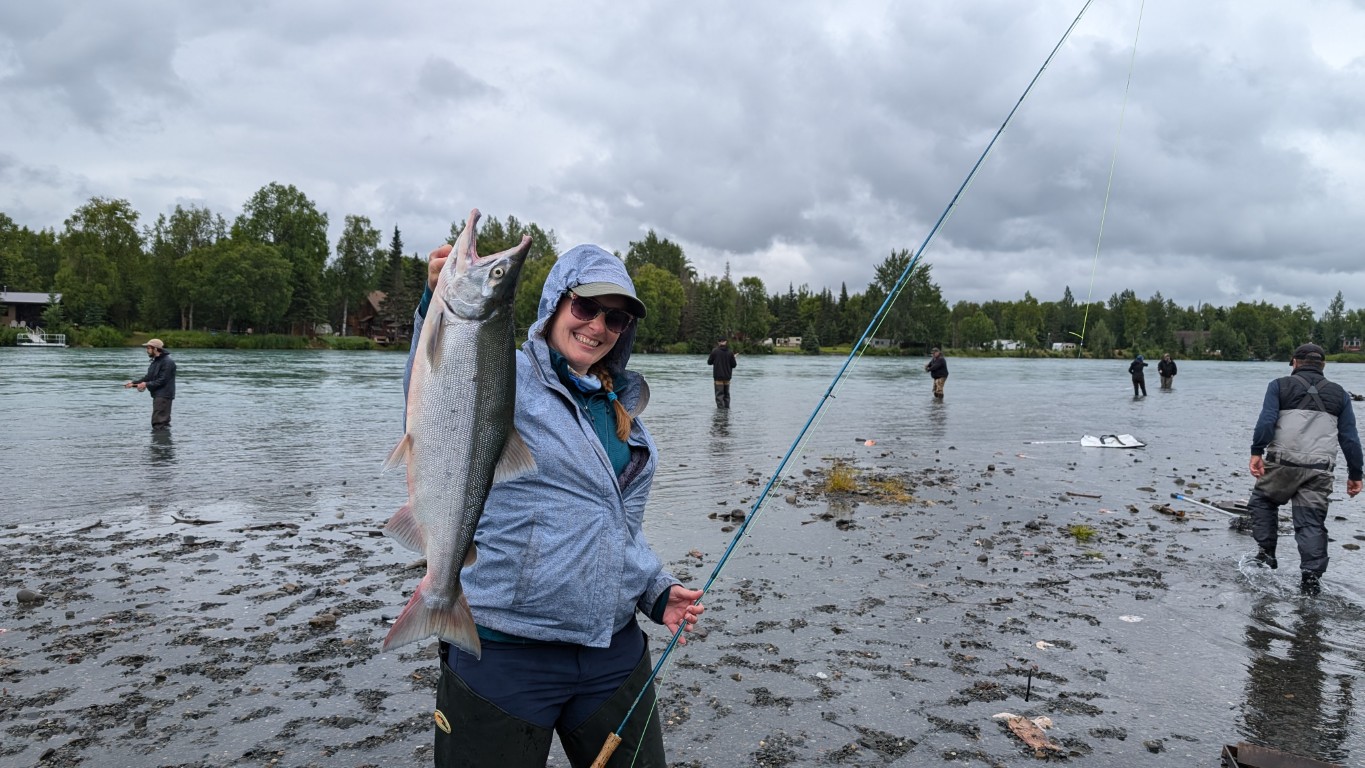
(892, 489)
(841, 479)
(348, 342)
(1081, 533)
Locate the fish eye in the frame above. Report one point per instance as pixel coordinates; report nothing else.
(499, 271)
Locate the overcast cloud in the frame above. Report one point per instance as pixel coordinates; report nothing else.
(800, 142)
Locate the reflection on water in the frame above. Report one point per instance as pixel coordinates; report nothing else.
(840, 508)
(937, 419)
(720, 428)
(1298, 697)
(162, 448)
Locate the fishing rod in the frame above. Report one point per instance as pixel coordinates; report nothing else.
(614, 738)
(1183, 497)
(1113, 161)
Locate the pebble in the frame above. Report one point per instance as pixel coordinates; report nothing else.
(29, 597)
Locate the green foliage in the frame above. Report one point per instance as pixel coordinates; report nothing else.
(752, 318)
(206, 340)
(53, 317)
(189, 271)
(663, 295)
(177, 265)
(1099, 342)
(253, 283)
(103, 264)
(99, 336)
(197, 340)
(266, 341)
(355, 271)
(662, 253)
(810, 341)
(977, 330)
(284, 218)
(348, 343)
(918, 316)
(9, 337)
(841, 479)
(1226, 342)
(1081, 533)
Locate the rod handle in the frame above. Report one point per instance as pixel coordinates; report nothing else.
(608, 747)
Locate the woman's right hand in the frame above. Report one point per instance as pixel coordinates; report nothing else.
(435, 260)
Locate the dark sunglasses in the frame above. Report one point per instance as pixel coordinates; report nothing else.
(587, 310)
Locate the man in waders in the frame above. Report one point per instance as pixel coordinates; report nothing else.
(160, 381)
(1304, 419)
(723, 364)
(938, 371)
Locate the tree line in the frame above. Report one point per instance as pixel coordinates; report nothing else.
(273, 270)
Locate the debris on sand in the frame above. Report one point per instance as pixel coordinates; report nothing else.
(1032, 735)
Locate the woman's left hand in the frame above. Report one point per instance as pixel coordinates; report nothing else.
(682, 607)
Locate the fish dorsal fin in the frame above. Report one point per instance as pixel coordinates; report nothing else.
(516, 459)
(400, 452)
(642, 401)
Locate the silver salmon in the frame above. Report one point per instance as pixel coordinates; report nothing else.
(460, 438)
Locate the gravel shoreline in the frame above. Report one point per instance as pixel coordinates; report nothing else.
(886, 626)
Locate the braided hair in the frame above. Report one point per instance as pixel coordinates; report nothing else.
(623, 418)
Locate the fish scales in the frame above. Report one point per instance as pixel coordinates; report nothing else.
(460, 436)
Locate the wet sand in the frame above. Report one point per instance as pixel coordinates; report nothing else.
(881, 627)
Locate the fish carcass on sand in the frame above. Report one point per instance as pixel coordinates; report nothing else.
(460, 438)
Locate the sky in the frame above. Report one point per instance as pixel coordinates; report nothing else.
(1211, 151)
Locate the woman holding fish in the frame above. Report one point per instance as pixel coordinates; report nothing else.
(560, 565)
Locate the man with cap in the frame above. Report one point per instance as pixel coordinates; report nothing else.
(1303, 420)
(723, 362)
(159, 381)
(938, 370)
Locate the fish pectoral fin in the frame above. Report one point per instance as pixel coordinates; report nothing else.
(643, 400)
(516, 459)
(404, 528)
(435, 312)
(400, 452)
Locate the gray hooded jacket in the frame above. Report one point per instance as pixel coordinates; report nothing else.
(561, 552)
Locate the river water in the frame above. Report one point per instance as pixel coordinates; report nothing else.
(278, 436)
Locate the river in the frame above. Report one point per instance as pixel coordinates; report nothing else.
(1224, 652)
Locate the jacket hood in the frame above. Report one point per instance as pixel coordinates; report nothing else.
(585, 264)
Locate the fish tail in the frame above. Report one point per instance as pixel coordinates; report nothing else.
(420, 619)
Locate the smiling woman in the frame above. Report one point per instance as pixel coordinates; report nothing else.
(561, 569)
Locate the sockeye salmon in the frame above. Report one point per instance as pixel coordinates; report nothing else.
(460, 438)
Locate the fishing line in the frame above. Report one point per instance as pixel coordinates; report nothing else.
(859, 348)
(1113, 161)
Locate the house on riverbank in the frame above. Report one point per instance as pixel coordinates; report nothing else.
(22, 309)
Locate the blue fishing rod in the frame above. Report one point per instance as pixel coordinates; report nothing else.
(614, 739)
